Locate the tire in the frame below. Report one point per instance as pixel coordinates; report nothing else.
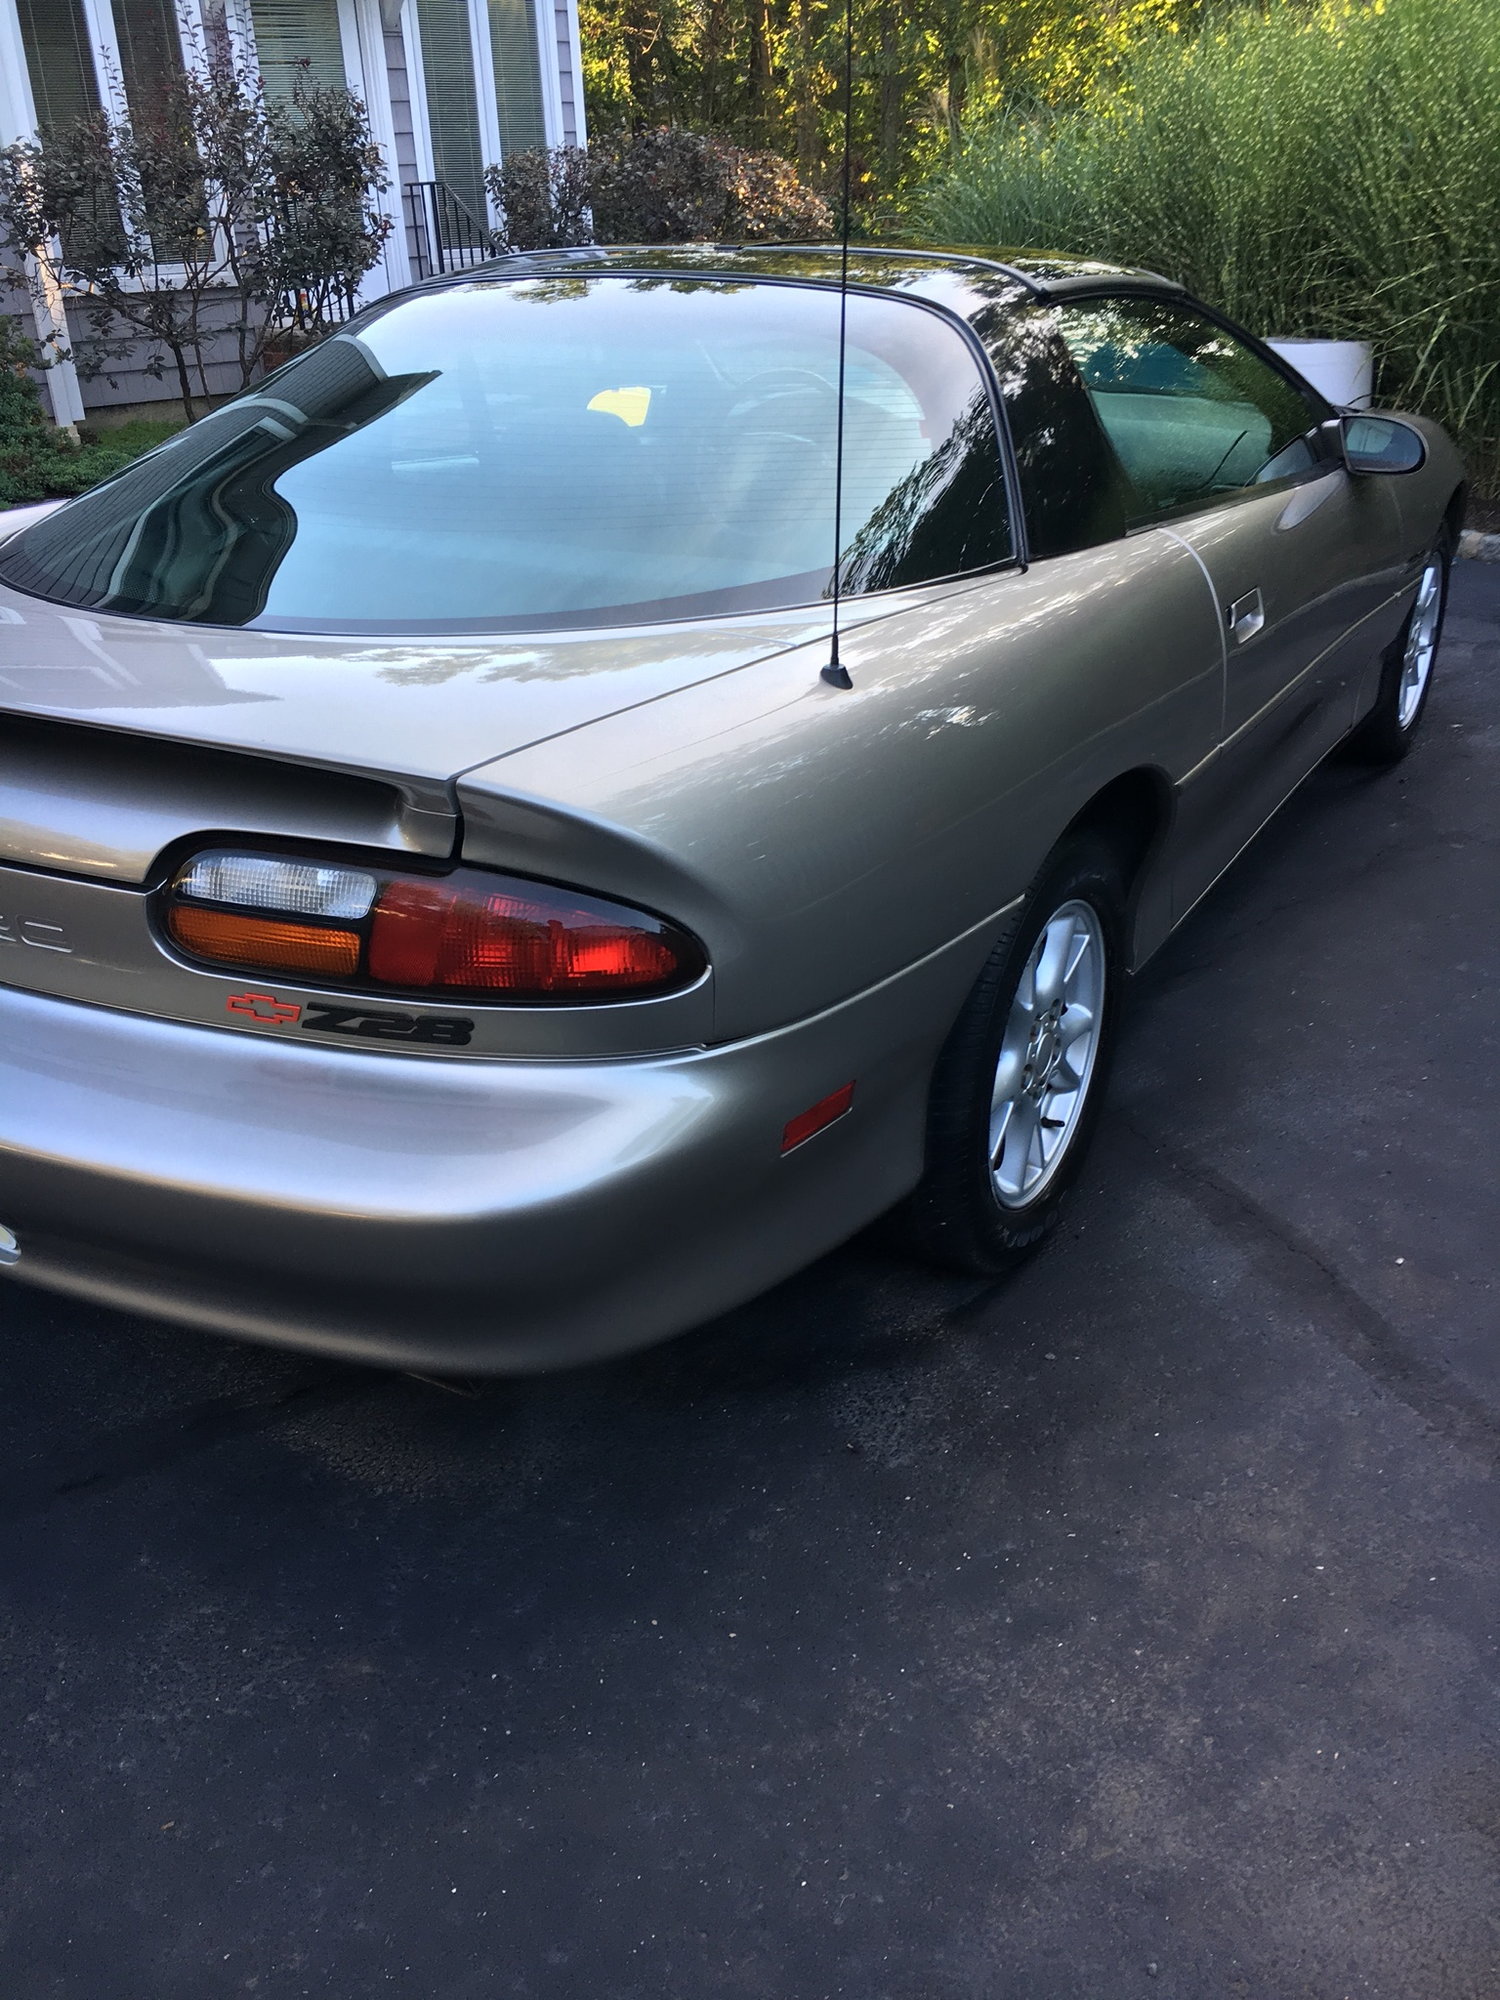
(1389, 730)
(991, 1193)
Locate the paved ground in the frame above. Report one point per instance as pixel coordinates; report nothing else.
(1126, 1630)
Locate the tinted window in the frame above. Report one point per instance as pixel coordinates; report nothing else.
(1190, 410)
(567, 451)
(1071, 484)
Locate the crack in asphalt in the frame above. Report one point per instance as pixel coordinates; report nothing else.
(152, 1447)
(1359, 1330)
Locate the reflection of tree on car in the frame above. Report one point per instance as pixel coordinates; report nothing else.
(199, 530)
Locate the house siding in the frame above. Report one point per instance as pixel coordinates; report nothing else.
(404, 168)
(127, 381)
(569, 77)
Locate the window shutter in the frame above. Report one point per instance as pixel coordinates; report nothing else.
(150, 43)
(298, 39)
(58, 60)
(452, 109)
(518, 81)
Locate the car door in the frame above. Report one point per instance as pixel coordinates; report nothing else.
(1223, 452)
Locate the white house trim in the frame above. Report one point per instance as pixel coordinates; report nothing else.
(376, 37)
(18, 121)
(363, 33)
(544, 16)
(411, 43)
(491, 147)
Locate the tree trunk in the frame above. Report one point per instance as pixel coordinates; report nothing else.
(806, 109)
(184, 378)
(712, 62)
(760, 73)
(891, 113)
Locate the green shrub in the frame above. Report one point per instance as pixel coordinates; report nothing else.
(38, 461)
(1327, 171)
(673, 186)
(665, 186)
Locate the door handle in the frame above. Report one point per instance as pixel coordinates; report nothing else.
(1246, 616)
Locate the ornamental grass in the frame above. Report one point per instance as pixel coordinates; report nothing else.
(1325, 171)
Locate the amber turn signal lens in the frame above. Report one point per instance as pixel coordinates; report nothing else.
(256, 944)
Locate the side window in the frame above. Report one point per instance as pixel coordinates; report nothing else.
(1074, 492)
(1190, 411)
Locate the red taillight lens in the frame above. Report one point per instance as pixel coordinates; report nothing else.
(466, 932)
(464, 936)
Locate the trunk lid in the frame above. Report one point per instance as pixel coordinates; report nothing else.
(397, 720)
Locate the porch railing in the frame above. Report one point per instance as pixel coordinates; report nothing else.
(325, 301)
(316, 311)
(445, 234)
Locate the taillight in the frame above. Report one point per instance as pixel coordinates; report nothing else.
(467, 932)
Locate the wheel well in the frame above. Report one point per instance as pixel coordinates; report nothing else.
(1458, 506)
(1132, 813)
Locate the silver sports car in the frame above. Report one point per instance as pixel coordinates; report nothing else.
(456, 912)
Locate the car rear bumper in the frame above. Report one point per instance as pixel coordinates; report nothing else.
(467, 1216)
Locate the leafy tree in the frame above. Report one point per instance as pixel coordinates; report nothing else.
(663, 186)
(542, 197)
(197, 219)
(767, 74)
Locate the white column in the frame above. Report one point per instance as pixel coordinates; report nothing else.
(575, 63)
(18, 121)
(548, 58)
(367, 18)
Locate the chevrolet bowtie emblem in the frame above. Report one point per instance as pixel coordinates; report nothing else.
(263, 1007)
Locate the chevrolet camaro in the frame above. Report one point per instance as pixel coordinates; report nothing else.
(457, 907)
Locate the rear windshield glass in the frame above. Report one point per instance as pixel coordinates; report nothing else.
(569, 451)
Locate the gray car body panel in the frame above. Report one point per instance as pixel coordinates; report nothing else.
(818, 840)
(579, 1180)
(471, 1216)
(406, 714)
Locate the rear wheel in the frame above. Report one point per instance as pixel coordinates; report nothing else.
(1017, 1089)
(1389, 730)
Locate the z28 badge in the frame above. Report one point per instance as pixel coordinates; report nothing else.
(452, 1031)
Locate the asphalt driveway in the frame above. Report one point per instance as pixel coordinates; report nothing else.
(1128, 1629)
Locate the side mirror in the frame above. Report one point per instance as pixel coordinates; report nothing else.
(1381, 444)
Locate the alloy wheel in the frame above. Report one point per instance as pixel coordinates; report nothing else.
(1047, 1057)
(1421, 645)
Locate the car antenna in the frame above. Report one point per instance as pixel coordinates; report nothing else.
(836, 673)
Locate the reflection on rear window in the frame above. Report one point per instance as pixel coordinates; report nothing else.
(573, 451)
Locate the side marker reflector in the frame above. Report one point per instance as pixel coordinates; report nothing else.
(817, 1116)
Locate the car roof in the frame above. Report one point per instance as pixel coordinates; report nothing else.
(965, 281)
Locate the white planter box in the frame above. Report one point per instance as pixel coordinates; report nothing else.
(1342, 370)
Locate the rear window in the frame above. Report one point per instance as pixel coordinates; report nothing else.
(554, 452)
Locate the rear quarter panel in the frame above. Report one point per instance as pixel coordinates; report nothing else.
(1422, 497)
(819, 841)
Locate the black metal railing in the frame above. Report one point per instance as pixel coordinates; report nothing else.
(323, 299)
(445, 234)
(316, 311)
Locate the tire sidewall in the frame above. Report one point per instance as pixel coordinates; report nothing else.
(1441, 554)
(1381, 738)
(961, 1220)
